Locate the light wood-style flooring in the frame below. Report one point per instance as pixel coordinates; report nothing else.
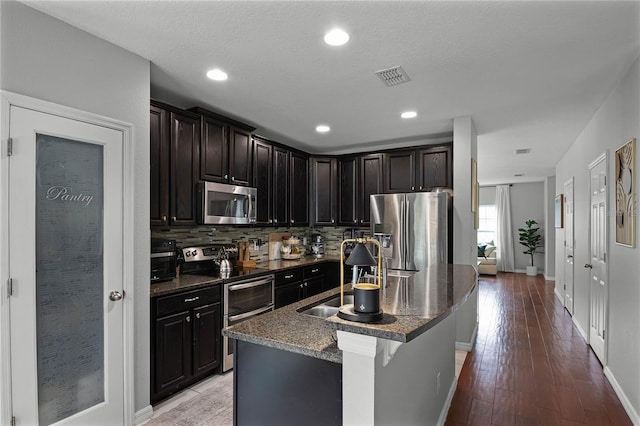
(530, 365)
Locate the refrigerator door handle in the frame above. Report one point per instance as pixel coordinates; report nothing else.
(406, 229)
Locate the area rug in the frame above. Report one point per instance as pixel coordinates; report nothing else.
(213, 407)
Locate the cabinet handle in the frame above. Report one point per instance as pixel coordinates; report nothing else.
(226, 176)
(361, 220)
(192, 299)
(301, 286)
(314, 270)
(355, 221)
(164, 219)
(188, 319)
(420, 187)
(413, 188)
(291, 220)
(174, 219)
(198, 315)
(233, 179)
(270, 220)
(288, 277)
(333, 221)
(306, 284)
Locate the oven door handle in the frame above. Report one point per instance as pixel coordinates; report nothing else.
(234, 318)
(162, 254)
(234, 287)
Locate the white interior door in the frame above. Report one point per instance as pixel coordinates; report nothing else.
(598, 258)
(65, 249)
(568, 245)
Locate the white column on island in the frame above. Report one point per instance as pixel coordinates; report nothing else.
(387, 382)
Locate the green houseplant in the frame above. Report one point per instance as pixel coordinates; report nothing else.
(532, 240)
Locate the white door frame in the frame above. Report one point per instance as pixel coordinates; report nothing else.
(8, 99)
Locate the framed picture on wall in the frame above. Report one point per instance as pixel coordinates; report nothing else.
(625, 194)
(559, 211)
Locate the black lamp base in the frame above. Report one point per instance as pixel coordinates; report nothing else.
(346, 312)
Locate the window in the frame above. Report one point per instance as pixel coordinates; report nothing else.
(488, 224)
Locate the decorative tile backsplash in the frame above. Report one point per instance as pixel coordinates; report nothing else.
(224, 234)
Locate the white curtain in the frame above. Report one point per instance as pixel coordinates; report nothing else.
(505, 258)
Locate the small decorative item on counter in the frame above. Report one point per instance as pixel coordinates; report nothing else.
(290, 249)
(244, 255)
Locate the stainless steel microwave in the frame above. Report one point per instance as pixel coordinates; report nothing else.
(221, 203)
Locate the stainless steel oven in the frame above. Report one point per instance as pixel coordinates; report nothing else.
(243, 300)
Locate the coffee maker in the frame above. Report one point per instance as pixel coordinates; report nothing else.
(317, 247)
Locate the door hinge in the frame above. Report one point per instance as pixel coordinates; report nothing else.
(565, 286)
(9, 147)
(13, 420)
(10, 287)
(603, 335)
(605, 257)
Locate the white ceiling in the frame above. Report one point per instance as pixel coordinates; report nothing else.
(530, 74)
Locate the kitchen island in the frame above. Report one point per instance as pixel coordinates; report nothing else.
(293, 368)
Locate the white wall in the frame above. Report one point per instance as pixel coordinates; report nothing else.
(45, 58)
(549, 229)
(616, 121)
(465, 237)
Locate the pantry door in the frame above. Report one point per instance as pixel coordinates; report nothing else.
(67, 274)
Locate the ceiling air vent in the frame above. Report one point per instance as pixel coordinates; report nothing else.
(393, 76)
(523, 151)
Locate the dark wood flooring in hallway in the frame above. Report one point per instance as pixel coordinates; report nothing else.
(530, 365)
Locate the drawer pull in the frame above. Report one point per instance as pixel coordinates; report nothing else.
(198, 315)
(188, 319)
(192, 299)
(314, 270)
(288, 277)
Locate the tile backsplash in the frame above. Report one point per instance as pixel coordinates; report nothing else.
(225, 234)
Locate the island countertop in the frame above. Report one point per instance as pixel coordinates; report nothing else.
(412, 302)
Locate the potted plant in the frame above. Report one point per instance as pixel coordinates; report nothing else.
(532, 240)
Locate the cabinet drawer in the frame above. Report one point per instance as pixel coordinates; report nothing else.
(314, 270)
(166, 305)
(289, 276)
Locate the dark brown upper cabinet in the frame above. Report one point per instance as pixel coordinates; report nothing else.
(174, 148)
(159, 142)
(348, 178)
(324, 189)
(370, 183)
(435, 167)
(280, 186)
(225, 149)
(418, 169)
(359, 178)
(263, 181)
(299, 189)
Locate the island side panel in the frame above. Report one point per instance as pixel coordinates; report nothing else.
(276, 387)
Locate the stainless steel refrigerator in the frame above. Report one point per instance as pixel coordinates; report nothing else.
(412, 228)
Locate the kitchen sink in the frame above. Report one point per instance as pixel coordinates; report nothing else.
(327, 308)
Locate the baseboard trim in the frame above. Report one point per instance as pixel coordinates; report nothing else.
(558, 295)
(447, 403)
(468, 346)
(628, 407)
(546, 278)
(580, 330)
(143, 415)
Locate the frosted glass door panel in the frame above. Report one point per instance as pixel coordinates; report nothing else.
(69, 277)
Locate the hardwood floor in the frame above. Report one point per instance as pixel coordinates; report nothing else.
(530, 365)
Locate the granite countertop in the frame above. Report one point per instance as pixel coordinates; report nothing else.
(412, 304)
(192, 281)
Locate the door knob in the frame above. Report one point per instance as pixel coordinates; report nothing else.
(115, 295)
(588, 265)
(570, 257)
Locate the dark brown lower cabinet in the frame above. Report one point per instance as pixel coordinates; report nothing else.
(296, 284)
(185, 340)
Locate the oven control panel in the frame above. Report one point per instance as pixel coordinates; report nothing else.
(209, 252)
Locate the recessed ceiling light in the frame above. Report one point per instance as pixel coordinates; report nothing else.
(322, 128)
(336, 37)
(217, 74)
(409, 114)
